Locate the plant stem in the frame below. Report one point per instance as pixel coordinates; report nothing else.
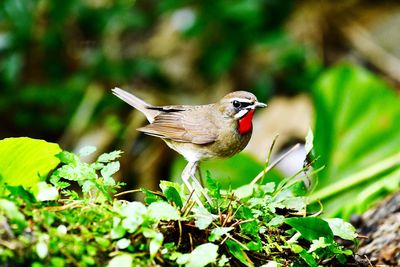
(269, 167)
(356, 178)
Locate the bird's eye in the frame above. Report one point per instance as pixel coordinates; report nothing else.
(236, 104)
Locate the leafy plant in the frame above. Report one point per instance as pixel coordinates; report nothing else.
(86, 175)
(251, 225)
(25, 161)
(357, 139)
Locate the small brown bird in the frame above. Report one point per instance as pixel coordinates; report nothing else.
(218, 130)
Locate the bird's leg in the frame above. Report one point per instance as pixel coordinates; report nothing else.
(200, 175)
(194, 169)
(186, 174)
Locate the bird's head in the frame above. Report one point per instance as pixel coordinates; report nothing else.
(240, 106)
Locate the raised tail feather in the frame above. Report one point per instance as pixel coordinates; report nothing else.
(137, 103)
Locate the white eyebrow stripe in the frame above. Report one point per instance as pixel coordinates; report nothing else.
(243, 100)
(241, 113)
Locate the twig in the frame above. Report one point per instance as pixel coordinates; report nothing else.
(369, 262)
(269, 156)
(189, 208)
(187, 202)
(128, 192)
(191, 242)
(241, 222)
(180, 234)
(268, 168)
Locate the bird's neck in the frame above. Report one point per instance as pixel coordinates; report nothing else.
(245, 123)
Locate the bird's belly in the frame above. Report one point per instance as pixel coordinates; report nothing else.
(224, 147)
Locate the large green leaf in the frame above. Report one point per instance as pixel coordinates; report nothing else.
(357, 137)
(311, 228)
(231, 172)
(23, 161)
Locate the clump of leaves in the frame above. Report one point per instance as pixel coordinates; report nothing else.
(95, 187)
(254, 225)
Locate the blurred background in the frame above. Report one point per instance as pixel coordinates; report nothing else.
(332, 66)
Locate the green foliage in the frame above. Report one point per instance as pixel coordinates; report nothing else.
(25, 161)
(261, 225)
(232, 172)
(311, 228)
(356, 138)
(94, 187)
(53, 53)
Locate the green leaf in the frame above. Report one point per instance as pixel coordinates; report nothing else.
(218, 232)
(245, 191)
(11, 211)
(86, 151)
(108, 157)
(357, 139)
(213, 185)
(229, 173)
(308, 258)
(42, 250)
(237, 251)
(110, 169)
(342, 229)
(150, 197)
(124, 260)
(43, 191)
(276, 221)
(24, 161)
(133, 213)
(156, 241)
(162, 211)
(311, 228)
(309, 142)
(21, 192)
(317, 244)
(67, 157)
(203, 218)
(171, 192)
(201, 256)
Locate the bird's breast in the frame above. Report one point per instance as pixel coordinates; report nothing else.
(245, 124)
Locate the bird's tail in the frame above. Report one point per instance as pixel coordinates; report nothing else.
(136, 102)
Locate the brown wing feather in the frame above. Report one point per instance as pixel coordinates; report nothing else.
(183, 126)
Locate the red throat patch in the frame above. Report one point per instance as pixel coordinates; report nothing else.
(245, 124)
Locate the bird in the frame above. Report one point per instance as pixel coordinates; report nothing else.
(199, 132)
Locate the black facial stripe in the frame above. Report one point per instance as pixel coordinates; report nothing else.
(245, 104)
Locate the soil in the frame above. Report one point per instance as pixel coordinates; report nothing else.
(381, 228)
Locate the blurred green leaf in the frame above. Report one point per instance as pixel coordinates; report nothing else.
(24, 161)
(155, 242)
(232, 172)
(357, 139)
(10, 210)
(43, 191)
(121, 261)
(201, 256)
(341, 228)
(162, 211)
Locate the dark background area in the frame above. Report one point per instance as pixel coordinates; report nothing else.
(60, 59)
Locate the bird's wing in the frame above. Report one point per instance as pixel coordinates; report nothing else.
(188, 126)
